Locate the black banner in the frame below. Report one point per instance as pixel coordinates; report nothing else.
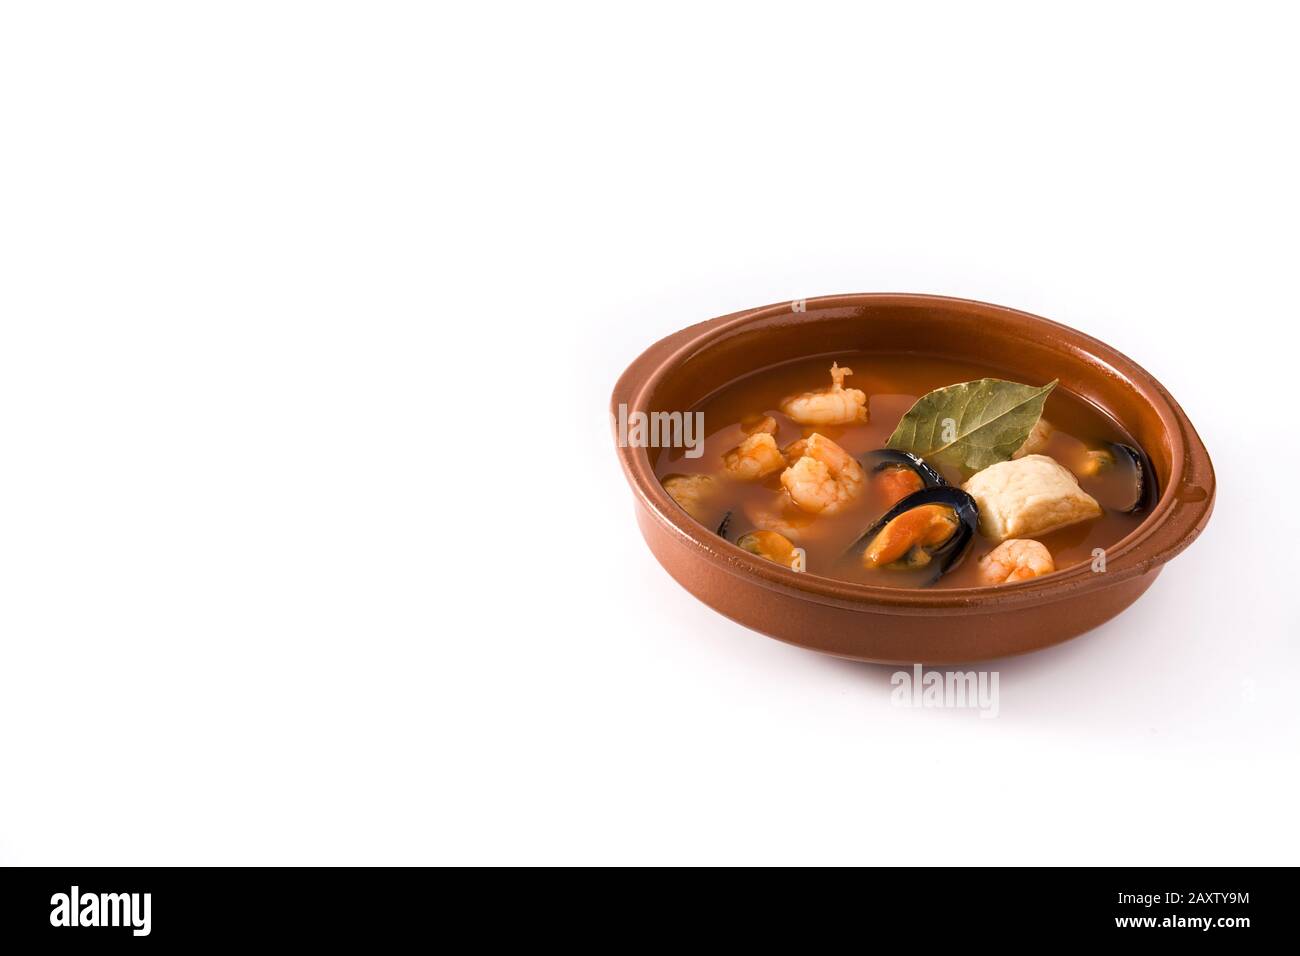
(139, 907)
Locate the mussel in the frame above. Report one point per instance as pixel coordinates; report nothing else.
(774, 547)
(886, 459)
(693, 493)
(724, 525)
(1134, 486)
(931, 529)
(1146, 491)
(896, 474)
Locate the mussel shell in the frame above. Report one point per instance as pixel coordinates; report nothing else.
(724, 526)
(945, 557)
(1148, 486)
(882, 458)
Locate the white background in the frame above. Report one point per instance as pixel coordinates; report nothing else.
(313, 545)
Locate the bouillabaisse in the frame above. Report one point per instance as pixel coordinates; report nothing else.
(904, 470)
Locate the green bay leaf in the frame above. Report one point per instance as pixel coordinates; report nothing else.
(971, 425)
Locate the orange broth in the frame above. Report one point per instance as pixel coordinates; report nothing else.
(892, 382)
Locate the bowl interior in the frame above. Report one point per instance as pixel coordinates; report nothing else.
(983, 334)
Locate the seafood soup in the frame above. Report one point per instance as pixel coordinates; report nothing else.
(906, 470)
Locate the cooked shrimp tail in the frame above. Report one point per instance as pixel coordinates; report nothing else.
(836, 405)
(754, 458)
(825, 478)
(1018, 559)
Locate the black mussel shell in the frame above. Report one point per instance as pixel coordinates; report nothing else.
(946, 557)
(1147, 491)
(882, 458)
(724, 526)
(1143, 493)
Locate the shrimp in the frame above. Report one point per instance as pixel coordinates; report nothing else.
(782, 517)
(753, 458)
(692, 492)
(758, 423)
(836, 405)
(795, 450)
(1018, 559)
(825, 478)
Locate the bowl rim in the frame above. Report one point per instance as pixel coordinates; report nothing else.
(1173, 524)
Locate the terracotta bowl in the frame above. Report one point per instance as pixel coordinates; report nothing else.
(893, 625)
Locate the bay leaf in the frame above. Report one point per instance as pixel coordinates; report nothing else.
(971, 425)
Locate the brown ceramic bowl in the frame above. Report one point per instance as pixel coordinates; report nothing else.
(893, 625)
